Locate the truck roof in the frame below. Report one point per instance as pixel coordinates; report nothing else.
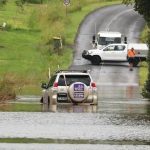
(109, 34)
(138, 46)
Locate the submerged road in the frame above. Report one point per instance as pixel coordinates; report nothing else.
(121, 121)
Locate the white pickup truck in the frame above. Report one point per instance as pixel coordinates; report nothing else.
(117, 53)
(103, 38)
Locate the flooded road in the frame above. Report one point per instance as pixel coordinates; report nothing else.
(70, 147)
(121, 121)
(98, 127)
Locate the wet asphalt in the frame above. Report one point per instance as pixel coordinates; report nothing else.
(121, 120)
(118, 87)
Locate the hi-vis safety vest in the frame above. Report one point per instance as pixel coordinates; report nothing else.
(131, 53)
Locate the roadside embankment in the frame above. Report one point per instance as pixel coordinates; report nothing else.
(26, 48)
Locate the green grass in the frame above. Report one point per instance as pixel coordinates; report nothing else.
(21, 107)
(24, 55)
(143, 71)
(71, 141)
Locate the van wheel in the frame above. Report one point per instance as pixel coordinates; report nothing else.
(96, 60)
(48, 100)
(41, 100)
(53, 102)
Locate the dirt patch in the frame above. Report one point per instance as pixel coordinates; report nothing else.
(6, 96)
(7, 88)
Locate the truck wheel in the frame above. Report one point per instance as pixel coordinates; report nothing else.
(136, 62)
(96, 60)
(48, 100)
(41, 100)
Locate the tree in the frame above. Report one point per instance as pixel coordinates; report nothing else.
(143, 8)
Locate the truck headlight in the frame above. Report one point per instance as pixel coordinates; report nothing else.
(89, 53)
(85, 52)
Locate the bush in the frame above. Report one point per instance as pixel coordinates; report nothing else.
(146, 90)
(35, 1)
(8, 27)
(32, 22)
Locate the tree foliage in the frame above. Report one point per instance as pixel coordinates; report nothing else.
(142, 6)
(127, 2)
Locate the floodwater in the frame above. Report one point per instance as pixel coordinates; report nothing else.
(120, 121)
(121, 117)
(70, 147)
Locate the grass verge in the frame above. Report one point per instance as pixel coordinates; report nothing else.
(21, 107)
(143, 71)
(72, 141)
(25, 54)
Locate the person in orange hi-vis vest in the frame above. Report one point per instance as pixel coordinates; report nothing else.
(131, 56)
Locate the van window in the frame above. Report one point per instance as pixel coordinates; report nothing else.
(61, 81)
(109, 48)
(108, 40)
(119, 47)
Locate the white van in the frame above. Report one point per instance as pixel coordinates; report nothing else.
(104, 38)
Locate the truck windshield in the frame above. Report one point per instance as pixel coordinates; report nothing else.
(108, 40)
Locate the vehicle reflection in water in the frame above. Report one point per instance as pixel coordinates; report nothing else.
(48, 108)
(130, 90)
(129, 94)
(69, 108)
